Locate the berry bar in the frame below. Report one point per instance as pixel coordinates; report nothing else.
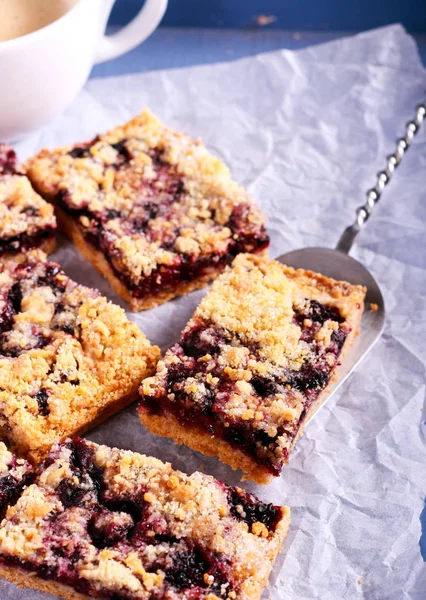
(112, 524)
(68, 357)
(14, 474)
(252, 364)
(152, 209)
(26, 220)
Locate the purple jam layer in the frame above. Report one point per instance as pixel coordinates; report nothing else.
(208, 412)
(127, 524)
(152, 204)
(246, 507)
(23, 242)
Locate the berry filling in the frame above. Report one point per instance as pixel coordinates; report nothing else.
(41, 398)
(95, 515)
(246, 507)
(25, 227)
(157, 217)
(13, 477)
(23, 242)
(200, 388)
(193, 568)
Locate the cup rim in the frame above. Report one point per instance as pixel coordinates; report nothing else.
(33, 34)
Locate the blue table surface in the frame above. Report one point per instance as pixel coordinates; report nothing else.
(175, 47)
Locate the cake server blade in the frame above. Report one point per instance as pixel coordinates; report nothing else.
(339, 265)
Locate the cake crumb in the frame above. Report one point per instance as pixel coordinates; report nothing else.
(360, 580)
(374, 307)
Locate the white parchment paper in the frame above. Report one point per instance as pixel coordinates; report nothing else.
(306, 132)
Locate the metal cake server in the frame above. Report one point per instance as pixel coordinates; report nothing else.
(339, 265)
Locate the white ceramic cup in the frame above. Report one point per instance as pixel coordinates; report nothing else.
(43, 71)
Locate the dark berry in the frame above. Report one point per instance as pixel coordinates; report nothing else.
(263, 438)
(67, 329)
(308, 378)
(42, 396)
(50, 277)
(152, 210)
(139, 223)
(62, 198)
(107, 528)
(266, 387)
(133, 507)
(239, 217)
(320, 312)
(52, 269)
(83, 461)
(70, 493)
(80, 152)
(202, 340)
(235, 436)
(245, 507)
(31, 211)
(40, 340)
(122, 150)
(338, 337)
(15, 297)
(187, 570)
(191, 563)
(112, 214)
(7, 316)
(8, 488)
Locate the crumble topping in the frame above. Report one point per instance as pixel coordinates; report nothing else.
(65, 353)
(14, 473)
(255, 356)
(26, 220)
(122, 525)
(157, 204)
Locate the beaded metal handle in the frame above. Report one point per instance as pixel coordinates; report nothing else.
(383, 177)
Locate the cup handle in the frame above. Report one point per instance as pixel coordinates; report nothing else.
(111, 46)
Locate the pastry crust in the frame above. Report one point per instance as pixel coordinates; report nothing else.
(26, 220)
(154, 212)
(68, 358)
(24, 579)
(197, 533)
(254, 364)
